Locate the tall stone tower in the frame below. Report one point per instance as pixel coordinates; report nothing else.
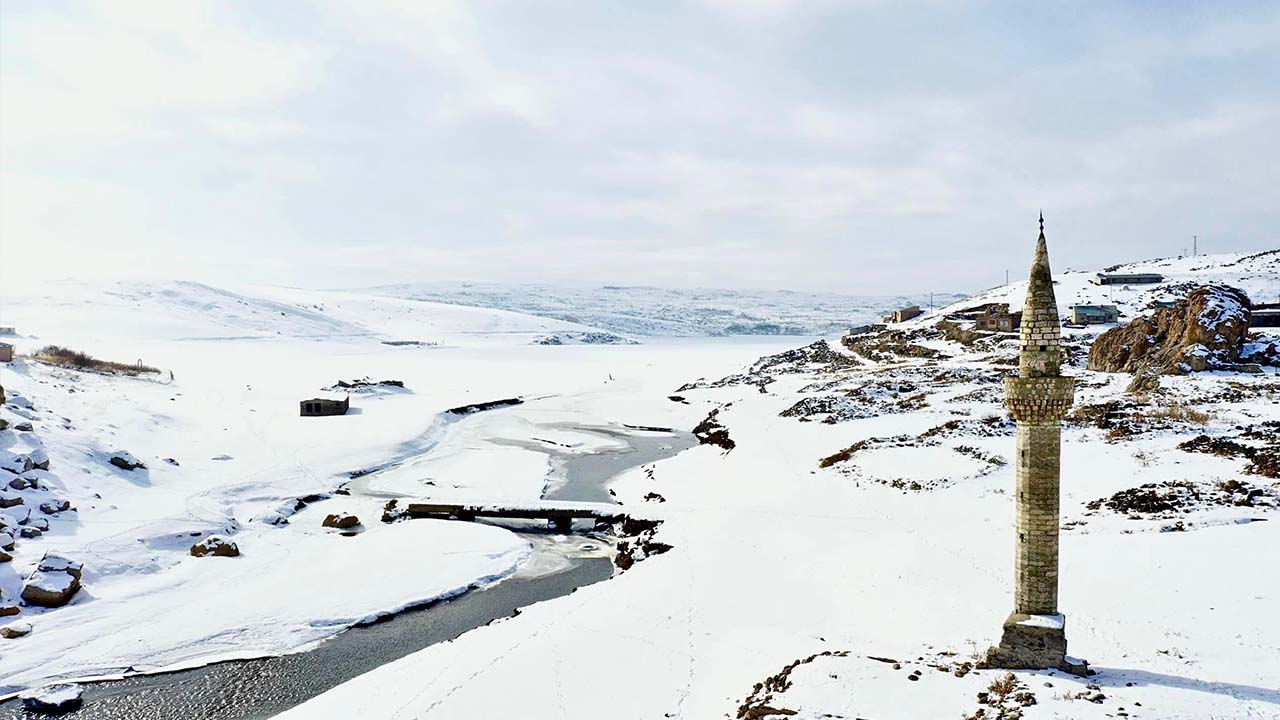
(1039, 397)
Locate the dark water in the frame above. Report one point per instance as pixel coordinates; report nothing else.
(244, 689)
(261, 688)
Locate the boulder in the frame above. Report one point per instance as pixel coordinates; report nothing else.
(30, 531)
(53, 699)
(50, 589)
(1205, 331)
(7, 610)
(55, 581)
(61, 563)
(39, 459)
(5, 557)
(123, 460)
(341, 521)
(9, 499)
(23, 427)
(16, 515)
(215, 546)
(15, 630)
(55, 506)
(20, 483)
(6, 540)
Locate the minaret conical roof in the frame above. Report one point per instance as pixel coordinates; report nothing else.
(1041, 345)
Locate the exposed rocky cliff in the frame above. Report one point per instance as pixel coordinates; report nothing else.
(1202, 332)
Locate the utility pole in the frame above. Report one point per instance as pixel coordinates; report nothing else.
(1195, 243)
(1006, 276)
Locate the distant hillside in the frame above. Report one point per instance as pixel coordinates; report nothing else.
(1258, 274)
(650, 311)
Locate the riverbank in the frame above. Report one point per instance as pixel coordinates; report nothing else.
(261, 687)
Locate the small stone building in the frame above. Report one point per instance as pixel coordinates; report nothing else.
(904, 314)
(6, 352)
(997, 318)
(1127, 278)
(316, 407)
(1094, 314)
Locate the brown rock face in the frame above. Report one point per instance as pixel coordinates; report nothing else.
(342, 521)
(1202, 332)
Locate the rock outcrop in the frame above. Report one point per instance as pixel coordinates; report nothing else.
(215, 546)
(1205, 331)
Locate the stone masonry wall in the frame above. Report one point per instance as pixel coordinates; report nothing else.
(1041, 337)
(1036, 555)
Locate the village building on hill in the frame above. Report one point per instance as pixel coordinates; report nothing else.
(1265, 315)
(997, 318)
(1127, 278)
(1094, 314)
(904, 314)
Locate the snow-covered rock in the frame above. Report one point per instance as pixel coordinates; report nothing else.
(215, 546)
(125, 461)
(55, 581)
(53, 699)
(15, 630)
(55, 506)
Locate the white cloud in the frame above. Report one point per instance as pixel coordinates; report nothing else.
(765, 143)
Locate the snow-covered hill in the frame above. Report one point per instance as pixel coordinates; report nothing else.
(674, 313)
(1258, 274)
(67, 311)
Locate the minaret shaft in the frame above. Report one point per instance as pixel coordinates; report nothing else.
(1036, 558)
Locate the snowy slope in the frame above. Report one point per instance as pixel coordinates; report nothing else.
(193, 311)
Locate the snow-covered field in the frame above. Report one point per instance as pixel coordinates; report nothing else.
(226, 453)
(830, 586)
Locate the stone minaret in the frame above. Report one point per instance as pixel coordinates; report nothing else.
(1039, 397)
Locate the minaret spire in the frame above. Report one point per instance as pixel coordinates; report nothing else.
(1041, 335)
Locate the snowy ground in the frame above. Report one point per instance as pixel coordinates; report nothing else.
(898, 555)
(777, 559)
(226, 453)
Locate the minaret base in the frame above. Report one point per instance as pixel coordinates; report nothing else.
(1035, 642)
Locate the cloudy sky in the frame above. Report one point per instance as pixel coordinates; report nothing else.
(858, 146)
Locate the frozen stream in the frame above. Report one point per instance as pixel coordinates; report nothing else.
(263, 687)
